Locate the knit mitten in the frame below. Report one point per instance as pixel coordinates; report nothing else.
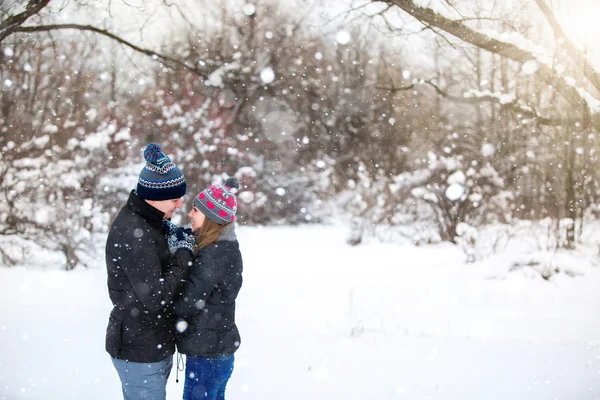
(171, 235)
(185, 239)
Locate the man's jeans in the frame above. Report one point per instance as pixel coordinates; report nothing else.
(206, 378)
(144, 381)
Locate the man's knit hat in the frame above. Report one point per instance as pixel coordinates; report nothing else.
(160, 179)
(218, 201)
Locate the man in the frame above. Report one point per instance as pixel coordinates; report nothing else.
(143, 276)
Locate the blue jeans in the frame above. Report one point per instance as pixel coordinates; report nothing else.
(144, 381)
(206, 377)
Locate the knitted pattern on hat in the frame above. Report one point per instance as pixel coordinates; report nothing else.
(218, 202)
(160, 179)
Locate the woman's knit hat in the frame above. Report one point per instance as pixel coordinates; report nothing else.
(218, 201)
(160, 179)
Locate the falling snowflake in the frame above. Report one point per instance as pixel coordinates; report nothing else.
(455, 191)
(488, 150)
(249, 9)
(246, 197)
(200, 304)
(226, 98)
(181, 326)
(267, 75)
(343, 37)
(457, 177)
(530, 67)
(215, 79)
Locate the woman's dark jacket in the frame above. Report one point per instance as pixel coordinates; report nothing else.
(143, 278)
(207, 300)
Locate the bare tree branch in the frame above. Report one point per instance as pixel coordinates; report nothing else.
(515, 105)
(429, 17)
(166, 59)
(11, 23)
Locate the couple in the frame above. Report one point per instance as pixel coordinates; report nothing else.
(173, 286)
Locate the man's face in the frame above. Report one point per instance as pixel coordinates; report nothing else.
(166, 206)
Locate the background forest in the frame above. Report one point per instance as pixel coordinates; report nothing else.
(425, 120)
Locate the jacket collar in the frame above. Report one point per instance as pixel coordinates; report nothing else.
(149, 213)
(228, 233)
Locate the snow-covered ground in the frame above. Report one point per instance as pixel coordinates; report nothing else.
(322, 320)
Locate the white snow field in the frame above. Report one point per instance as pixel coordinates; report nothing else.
(322, 320)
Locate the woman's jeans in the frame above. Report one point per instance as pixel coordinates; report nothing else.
(206, 377)
(144, 381)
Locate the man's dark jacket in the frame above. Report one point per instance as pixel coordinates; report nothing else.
(207, 301)
(143, 277)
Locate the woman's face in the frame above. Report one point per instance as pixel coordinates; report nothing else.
(197, 218)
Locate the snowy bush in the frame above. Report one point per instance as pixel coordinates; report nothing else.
(467, 239)
(454, 191)
(368, 202)
(52, 194)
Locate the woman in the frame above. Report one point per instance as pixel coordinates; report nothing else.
(207, 301)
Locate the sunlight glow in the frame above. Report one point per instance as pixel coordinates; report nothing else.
(580, 21)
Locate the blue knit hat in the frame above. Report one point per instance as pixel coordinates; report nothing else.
(160, 179)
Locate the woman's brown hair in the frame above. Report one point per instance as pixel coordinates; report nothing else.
(209, 233)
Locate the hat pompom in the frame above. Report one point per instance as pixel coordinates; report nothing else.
(232, 183)
(153, 152)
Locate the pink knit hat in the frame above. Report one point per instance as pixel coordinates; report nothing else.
(218, 201)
